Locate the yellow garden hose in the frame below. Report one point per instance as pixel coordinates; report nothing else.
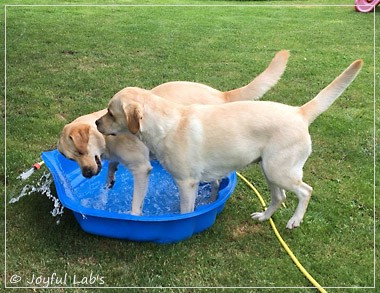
(283, 243)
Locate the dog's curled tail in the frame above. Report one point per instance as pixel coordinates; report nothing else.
(312, 109)
(262, 83)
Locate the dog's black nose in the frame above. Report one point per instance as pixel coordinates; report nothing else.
(87, 172)
(97, 122)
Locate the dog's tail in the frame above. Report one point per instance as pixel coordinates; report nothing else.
(312, 109)
(262, 83)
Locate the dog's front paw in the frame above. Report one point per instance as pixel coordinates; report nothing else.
(110, 184)
(136, 213)
(294, 222)
(260, 216)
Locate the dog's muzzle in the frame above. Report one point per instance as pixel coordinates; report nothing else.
(100, 128)
(88, 172)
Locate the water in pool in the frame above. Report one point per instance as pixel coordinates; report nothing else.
(162, 197)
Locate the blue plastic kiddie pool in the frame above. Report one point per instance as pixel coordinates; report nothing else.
(106, 212)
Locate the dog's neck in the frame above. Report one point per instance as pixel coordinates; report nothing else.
(162, 117)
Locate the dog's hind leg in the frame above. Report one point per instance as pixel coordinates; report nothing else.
(286, 172)
(303, 192)
(214, 190)
(112, 168)
(278, 196)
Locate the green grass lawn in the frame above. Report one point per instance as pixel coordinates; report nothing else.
(63, 62)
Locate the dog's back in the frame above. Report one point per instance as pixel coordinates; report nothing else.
(188, 93)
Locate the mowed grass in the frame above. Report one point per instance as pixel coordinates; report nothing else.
(63, 62)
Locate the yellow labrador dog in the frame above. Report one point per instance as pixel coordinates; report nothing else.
(81, 141)
(205, 142)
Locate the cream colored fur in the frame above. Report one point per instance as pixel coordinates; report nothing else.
(81, 141)
(204, 143)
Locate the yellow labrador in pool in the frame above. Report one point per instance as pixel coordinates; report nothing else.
(81, 141)
(204, 143)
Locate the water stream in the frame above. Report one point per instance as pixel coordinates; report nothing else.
(42, 186)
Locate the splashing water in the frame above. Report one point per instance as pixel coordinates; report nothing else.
(42, 186)
(25, 175)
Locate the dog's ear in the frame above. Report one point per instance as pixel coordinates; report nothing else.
(133, 116)
(80, 137)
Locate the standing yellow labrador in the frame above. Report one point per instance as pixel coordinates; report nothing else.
(81, 141)
(204, 143)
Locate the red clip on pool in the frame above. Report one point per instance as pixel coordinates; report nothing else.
(106, 212)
